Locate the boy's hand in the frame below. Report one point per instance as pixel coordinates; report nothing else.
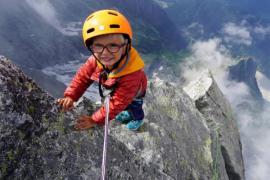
(84, 122)
(66, 103)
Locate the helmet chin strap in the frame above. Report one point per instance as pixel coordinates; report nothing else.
(103, 66)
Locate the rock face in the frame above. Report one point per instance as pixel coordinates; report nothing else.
(217, 111)
(176, 142)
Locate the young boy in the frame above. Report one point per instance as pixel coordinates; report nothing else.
(115, 65)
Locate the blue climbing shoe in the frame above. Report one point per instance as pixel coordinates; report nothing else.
(134, 124)
(123, 116)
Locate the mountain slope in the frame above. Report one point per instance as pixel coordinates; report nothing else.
(29, 40)
(38, 34)
(245, 71)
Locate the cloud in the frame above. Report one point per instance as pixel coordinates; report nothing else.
(193, 31)
(210, 54)
(261, 30)
(264, 85)
(237, 34)
(234, 91)
(162, 3)
(255, 131)
(46, 10)
(254, 125)
(213, 55)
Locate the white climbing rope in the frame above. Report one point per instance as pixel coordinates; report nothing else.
(107, 109)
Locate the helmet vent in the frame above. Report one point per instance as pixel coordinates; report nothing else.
(114, 26)
(90, 30)
(112, 13)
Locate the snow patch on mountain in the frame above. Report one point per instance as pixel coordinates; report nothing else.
(65, 73)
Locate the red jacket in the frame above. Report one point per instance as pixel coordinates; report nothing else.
(129, 76)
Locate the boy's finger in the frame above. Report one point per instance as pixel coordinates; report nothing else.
(65, 104)
(81, 120)
(80, 125)
(60, 102)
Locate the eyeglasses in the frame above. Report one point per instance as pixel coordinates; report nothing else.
(112, 48)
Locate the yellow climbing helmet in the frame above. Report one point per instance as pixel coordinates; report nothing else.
(105, 22)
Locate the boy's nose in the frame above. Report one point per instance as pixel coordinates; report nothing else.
(106, 51)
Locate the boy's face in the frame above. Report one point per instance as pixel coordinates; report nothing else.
(109, 48)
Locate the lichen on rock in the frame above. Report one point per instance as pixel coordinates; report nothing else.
(38, 141)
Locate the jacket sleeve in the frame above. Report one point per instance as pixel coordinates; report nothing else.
(126, 90)
(81, 81)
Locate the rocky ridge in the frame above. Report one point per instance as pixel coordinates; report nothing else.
(179, 140)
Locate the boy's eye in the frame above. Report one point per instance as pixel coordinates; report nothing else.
(98, 45)
(113, 45)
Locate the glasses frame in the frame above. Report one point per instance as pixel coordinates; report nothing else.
(119, 46)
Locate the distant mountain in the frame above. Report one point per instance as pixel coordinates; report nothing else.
(29, 40)
(206, 19)
(37, 34)
(46, 82)
(212, 14)
(152, 26)
(245, 72)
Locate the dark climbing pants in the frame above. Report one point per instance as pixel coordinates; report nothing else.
(135, 109)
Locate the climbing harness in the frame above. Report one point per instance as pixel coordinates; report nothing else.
(107, 108)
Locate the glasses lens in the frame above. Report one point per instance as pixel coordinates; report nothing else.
(113, 48)
(97, 48)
